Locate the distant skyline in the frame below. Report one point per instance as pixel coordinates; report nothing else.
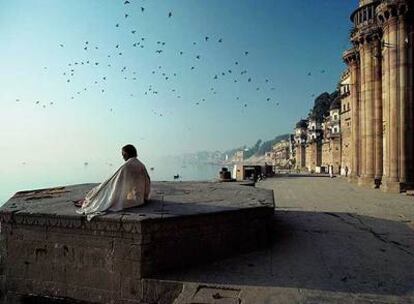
(40, 122)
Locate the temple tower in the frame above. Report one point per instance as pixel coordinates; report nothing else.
(300, 143)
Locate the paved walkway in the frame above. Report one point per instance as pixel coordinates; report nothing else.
(333, 243)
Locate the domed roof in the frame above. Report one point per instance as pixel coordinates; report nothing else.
(336, 104)
(303, 123)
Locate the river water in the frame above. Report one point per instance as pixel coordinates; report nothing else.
(29, 176)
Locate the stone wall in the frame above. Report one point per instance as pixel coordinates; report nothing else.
(53, 253)
(313, 155)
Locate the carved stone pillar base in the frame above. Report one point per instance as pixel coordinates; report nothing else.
(392, 187)
(366, 182)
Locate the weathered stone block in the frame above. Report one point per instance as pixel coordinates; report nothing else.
(50, 251)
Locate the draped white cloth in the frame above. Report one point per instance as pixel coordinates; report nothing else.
(128, 187)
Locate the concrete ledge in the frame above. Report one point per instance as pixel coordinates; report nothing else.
(50, 252)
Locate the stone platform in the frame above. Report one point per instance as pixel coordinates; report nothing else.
(50, 254)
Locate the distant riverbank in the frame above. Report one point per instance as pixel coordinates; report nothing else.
(37, 176)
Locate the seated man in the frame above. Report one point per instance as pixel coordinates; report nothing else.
(128, 187)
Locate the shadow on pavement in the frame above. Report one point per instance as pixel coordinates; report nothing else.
(338, 252)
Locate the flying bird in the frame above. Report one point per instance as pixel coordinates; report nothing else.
(142, 9)
(220, 40)
(126, 2)
(169, 15)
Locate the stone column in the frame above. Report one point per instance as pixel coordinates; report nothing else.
(394, 103)
(402, 69)
(395, 21)
(386, 104)
(362, 118)
(410, 100)
(351, 58)
(378, 134)
(368, 178)
(367, 40)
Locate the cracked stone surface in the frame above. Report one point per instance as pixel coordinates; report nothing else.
(333, 242)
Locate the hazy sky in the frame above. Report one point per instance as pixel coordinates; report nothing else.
(92, 117)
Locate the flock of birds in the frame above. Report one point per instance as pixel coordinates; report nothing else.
(107, 66)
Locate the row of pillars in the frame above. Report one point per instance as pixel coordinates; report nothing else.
(382, 105)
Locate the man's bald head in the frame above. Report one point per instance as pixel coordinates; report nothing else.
(128, 152)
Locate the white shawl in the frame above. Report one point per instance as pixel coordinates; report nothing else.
(128, 187)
